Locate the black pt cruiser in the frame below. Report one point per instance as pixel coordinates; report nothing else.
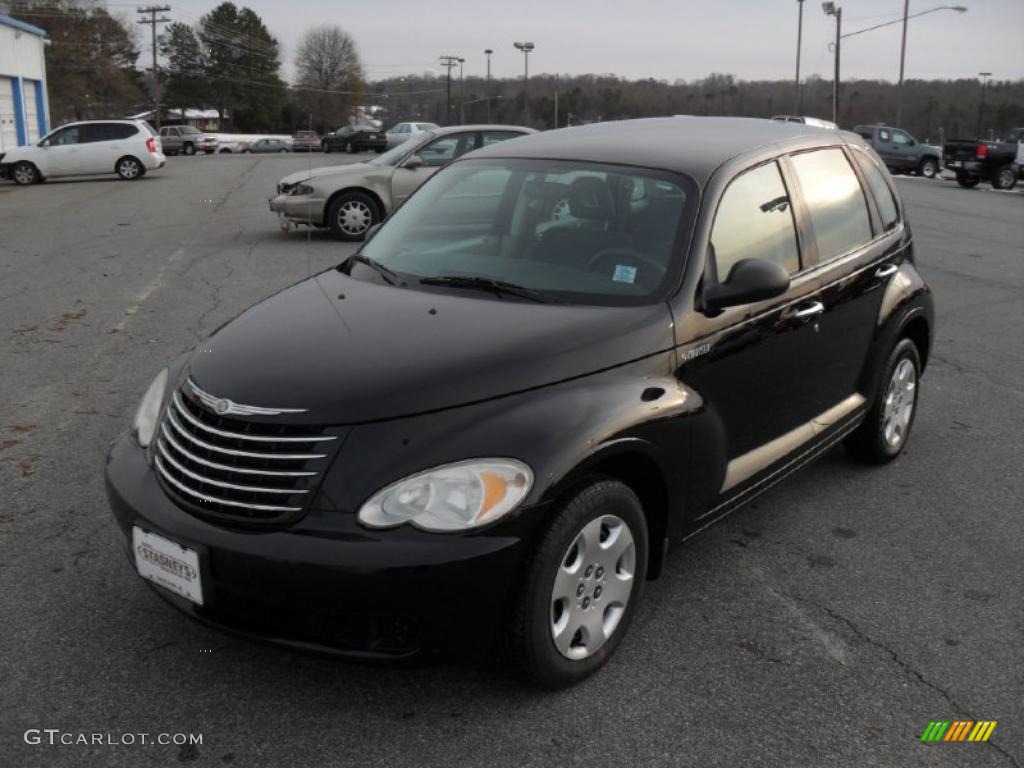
(563, 354)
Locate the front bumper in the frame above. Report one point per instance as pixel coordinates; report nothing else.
(301, 208)
(327, 584)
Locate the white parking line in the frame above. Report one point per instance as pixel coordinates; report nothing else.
(150, 288)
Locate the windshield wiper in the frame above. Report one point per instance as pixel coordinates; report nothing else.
(389, 275)
(497, 287)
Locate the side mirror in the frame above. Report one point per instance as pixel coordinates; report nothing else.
(44, 143)
(413, 162)
(749, 280)
(371, 232)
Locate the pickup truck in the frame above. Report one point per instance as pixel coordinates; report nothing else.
(901, 151)
(186, 140)
(975, 160)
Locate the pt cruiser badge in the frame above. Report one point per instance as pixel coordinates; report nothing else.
(564, 353)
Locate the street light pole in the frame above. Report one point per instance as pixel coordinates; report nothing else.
(981, 103)
(526, 48)
(488, 53)
(797, 100)
(832, 9)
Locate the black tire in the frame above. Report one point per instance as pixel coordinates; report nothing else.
(188, 148)
(529, 631)
(1004, 177)
(25, 174)
(356, 200)
(929, 168)
(966, 180)
(349, 149)
(282, 150)
(247, 151)
(129, 168)
(868, 442)
(327, 148)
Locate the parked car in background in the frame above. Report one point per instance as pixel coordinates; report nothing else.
(405, 131)
(128, 148)
(356, 138)
(485, 428)
(974, 160)
(266, 145)
(227, 146)
(900, 151)
(816, 122)
(349, 199)
(306, 141)
(186, 140)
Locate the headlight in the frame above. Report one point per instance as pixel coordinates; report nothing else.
(149, 409)
(453, 497)
(301, 189)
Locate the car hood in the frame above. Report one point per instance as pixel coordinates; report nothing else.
(328, 170)
(20, 153)
(382, 352)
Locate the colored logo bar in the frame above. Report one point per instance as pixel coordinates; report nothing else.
(958, 730)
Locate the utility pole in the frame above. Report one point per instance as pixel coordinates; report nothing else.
(448, 62)
(462, 93)
(488, 53)
(556, 100)
(903, 57)
(833, 10)
(798, 97)
(153, 10)
(981, 103)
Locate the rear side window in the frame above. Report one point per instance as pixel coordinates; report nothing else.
(107, 132)
(835, 201)
(755, 221)
(880, 190)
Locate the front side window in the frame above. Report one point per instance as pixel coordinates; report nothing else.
(755, 221)
(880, 190)
(447, 148)
(570, 232)
(899, 137)
(835, 201)
(65, 137)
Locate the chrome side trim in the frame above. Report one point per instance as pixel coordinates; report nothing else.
(744, 467)
(221, 483)
(229, 407)
(207, 497)
(166, 435)
(231, 451)
(241, 436)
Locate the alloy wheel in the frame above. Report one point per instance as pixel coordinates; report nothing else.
(128, 168)
(24, 174)
(900, 398)
(1005, 179)
(354, 217)
(592, 587)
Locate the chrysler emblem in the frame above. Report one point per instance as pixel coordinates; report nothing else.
(222, 406)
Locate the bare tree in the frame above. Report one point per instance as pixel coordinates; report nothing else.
(330, 75)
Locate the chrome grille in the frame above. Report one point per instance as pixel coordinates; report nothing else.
(236, 469)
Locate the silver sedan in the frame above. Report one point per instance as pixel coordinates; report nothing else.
(349, 199)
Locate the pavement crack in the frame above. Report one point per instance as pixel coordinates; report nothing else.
(910, 670)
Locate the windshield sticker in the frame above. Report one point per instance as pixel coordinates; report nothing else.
(624, 274)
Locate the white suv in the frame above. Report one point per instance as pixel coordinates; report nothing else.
(128, 148)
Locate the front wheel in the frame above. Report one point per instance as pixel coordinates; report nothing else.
(1004, 177)
(928, 168)
(966, 180)
(25, 173)
(350, 215)
(129, 168)
(581, 587)
(883, 434)
(188, 149)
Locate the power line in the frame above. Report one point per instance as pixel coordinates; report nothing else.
(152, 21)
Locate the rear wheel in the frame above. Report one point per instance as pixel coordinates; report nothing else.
(188, 148)
(283, 149)
(966, 180)
(351, 214)
(327, 148)
(129, 168)
(928, 168)
(884, 432)
(582, 585)
(25, 173)
(1004, 178)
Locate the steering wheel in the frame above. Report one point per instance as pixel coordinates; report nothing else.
(631, 253)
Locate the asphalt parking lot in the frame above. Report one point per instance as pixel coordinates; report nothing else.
(823, 625)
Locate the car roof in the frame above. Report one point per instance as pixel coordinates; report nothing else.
(695, 146)
(481, 127)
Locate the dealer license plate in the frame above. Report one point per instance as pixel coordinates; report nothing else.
(168, 564)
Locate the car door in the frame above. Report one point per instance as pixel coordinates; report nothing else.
(886, 148)
(855, 256)
(754, 364)
(905, 150)
(433, 155)
(63, 150)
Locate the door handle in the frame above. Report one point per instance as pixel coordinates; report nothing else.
(887, 271)
(807, 311)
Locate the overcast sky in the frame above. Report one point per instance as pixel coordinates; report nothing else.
(665, 39)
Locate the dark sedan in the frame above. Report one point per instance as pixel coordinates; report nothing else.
(356, 138)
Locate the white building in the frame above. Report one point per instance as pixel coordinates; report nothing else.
(24, 111)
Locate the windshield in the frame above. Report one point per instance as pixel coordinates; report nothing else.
(574, 232)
